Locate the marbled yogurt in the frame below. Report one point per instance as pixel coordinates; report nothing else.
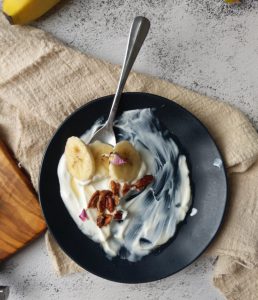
(152, 216)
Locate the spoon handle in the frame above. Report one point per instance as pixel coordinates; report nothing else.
(138, 33)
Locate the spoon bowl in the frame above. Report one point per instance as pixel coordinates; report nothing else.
(105, 134)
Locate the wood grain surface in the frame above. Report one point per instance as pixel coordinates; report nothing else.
(21, 219)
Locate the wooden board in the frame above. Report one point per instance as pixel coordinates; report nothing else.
(21, 219)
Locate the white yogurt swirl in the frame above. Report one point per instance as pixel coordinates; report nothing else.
(153, 215)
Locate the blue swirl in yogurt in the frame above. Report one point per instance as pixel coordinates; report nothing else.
(152, 216)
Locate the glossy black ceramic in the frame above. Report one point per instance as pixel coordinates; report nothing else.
(209, 192)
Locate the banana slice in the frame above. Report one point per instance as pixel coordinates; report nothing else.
(99, 149)
(129, 170)
(79, 159)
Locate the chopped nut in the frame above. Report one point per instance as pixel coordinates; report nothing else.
(107, 200)
(108, 219)
(106, 192)
(143, 182)
(110, 204)
(126, 188)
(115, 187)
(94, 200)
(118, 215)
(100, 221)
(117, 200)
(101, 205)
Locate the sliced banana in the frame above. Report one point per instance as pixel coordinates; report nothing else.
(100, 153)
(128, 171)
(79, 159)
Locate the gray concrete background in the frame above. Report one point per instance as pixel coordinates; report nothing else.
(203, 45)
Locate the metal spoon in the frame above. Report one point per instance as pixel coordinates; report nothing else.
(138, 33)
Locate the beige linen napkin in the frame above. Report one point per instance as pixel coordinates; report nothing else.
(43, 81)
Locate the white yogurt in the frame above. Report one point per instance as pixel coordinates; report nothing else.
(152, 216)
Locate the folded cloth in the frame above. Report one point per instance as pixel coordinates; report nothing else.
(43, 81)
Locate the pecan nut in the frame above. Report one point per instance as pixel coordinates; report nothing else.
(100, 221)
(143, 182)
(94, 200)
(115, 187)
(117, 200)
(101, 204)
(118, 215)
(110, 204)
(108, 219)
(126, 188)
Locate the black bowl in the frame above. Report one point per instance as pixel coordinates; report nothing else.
(209, 189)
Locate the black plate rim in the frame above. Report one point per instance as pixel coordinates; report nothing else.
(210, 136)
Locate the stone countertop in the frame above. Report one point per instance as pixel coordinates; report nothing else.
(203, 45)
